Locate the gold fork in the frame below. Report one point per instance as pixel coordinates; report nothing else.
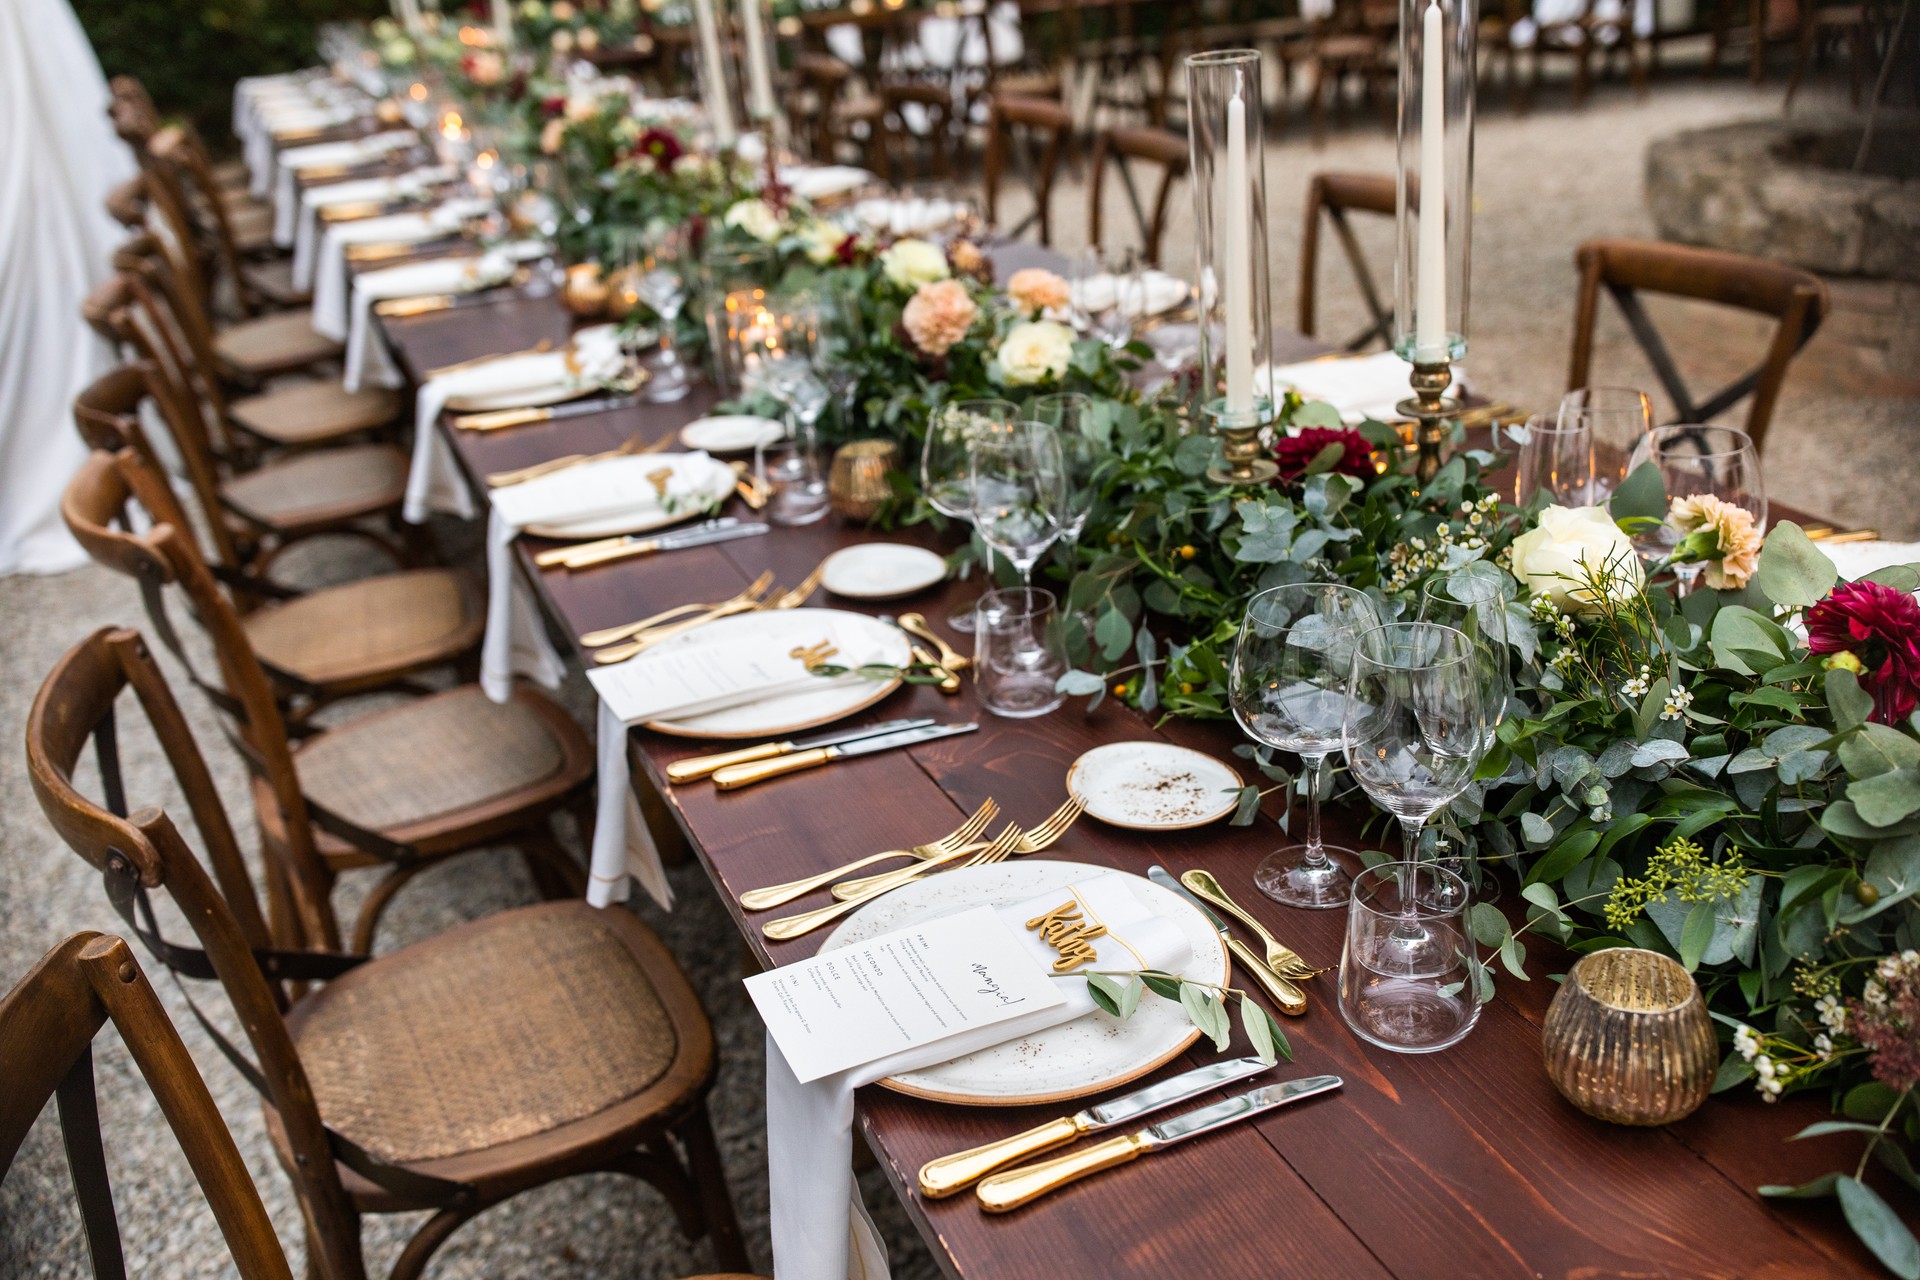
(745, 602)
(970, 856)
(1283, 960)
(802, 590)
(968, 832)
(614, 635)
(1047, 833)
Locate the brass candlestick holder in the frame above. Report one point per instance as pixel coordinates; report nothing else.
(1432, 411)
(1239, 432)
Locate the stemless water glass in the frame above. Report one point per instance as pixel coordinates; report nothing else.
(1696, 461)
(1615, 418)
(1407, 980)
(1557, 457)
(945, 475)
(1288, 689)
(1018, 486)
(789, 472)
(1071, 415)
(1475, 605)
(1018, 658)
(1418, 702)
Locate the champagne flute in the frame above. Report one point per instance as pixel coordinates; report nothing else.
(1698, 461)
(1475, 605)
(1417, 707)
(1018, 484)
(1615, 418)
(1288, 690)
(945, 477)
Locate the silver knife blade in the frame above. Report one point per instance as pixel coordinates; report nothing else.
(854, 735)
(702, 536)
(903, 738)
(1165, 879)
(1239, 1107)
(574, 408)
(1155, 1097)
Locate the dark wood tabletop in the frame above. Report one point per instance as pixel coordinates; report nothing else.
(1464, 1163)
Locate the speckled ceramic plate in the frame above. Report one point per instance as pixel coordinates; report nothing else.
(1074, 1059)
(1151, 786)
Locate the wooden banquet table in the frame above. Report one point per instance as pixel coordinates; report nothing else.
(1460, 1163)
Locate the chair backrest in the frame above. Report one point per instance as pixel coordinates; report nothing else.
(178, 149)
(898, 137)
(1012, 124)
(1335, 195)
(1627, 268)
(167, 308)
(139, 851)
(1161, 147)
(822, 78)
(47, 1025)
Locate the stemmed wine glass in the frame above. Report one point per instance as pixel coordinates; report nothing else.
(1288, 690)
(1418, 703)
(662, 285)
(1555, 456)
(1696, 461)
(1018, 486)
(1616, 419)
(1070, 414)
(945, 475)
(1475, 605)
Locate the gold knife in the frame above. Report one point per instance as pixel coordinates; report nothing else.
(735, 776)
(396, 307)
(694, 768)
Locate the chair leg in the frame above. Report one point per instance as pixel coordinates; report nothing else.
(413, 1259)
(376, 904)
(557, 874)
(709, 1177)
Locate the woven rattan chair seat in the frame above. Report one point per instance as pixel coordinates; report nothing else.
(319, 487)
(315, 412)
(496, 1030)
(375, 627)
(428, 758)
(231, 173)
(274, 281)
(274, 343)
(252, 227)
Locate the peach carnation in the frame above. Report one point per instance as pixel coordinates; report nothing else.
(1037, 289)
(939, 315)
(1733, 527)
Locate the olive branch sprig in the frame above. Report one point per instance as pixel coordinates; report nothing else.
(1118, 991)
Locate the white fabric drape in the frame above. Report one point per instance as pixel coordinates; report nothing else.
(58, 159)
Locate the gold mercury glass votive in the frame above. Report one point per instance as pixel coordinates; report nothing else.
(857, 482)
(1628, 1039)
(585, 292)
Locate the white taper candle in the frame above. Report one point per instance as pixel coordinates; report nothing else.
(760, 103)
(1239, 262)
(713, 75)
(1430, 313)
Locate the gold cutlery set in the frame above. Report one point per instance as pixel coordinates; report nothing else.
(1000, 1192)
(617, 644)
(1277, 972)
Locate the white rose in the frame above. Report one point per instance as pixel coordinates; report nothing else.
(1035, 352)
(912, 263)
(823, 241)
(757, 219)
(1572, 547)
(533, 10)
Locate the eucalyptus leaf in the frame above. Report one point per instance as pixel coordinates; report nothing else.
(1792, 570)
(1850, 704)
(1642, 494)
(1879, 1228)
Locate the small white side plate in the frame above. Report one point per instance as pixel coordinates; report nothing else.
(1152, 786)
(730, 433)
(882, 571)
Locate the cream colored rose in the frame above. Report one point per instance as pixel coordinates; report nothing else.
(823, 241)
(1035, 352)
(689, 166)
(912, 263)
(1577, 557)
(1037, 289)
(589, 39)
(563, 10)
(563, 41)
(756, 218)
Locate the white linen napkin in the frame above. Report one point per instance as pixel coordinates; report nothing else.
(434, 482)
(320, 155)
(1855, 560)
(818, 181)
(817, 1229)
(1158, 292)
(276, 118)
(623, 849)
(399, 186)
(368, 361)
(1360, 387)
(324, 269)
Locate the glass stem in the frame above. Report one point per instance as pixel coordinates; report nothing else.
(1410, 855)
(1315, 856)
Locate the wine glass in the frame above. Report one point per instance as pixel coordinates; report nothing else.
(945, 478)
(1475, 605)
(1699, 461)
(1555, 455)
(1099, 288)
(1288, 689)
(1418, 702)
(1018, 485)
(662, 285)
(1616, 418)
(1071, 415)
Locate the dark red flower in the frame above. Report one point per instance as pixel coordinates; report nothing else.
(1295, 454)
(555, 107)
(662, 145)
(1880, 626)
(847, 253)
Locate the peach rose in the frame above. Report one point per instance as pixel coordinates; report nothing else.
(551, 135)
(939, 315)
(1037, 289)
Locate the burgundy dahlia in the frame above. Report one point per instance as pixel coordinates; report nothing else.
(1295, 454)
(662, 145)
(1880, 626)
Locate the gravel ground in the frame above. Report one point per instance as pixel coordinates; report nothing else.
(1842, 441)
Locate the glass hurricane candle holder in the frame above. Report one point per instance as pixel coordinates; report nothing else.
(1434, 179)
(1627, 1038)
(1226, 133)
(734, 287)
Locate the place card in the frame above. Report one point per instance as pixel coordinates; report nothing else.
(902, 990)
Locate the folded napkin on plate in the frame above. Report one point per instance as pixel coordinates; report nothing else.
(616, 486)
(276, 119)
(817, 182)
(1158, 292)
(683, 682)
(906, 216)
(368, 362)
(305, 233)
(323, 270)
(322, 155)
(810, 1126)
(1360, 387)
(434, 482)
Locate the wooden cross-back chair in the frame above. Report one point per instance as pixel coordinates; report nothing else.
(928, 147)
(319, 646)
(450, 1075)
(1013, 126)
(258, 285)
(1334, 196)
(818, 111)
(47, 1026)
(1625, 269)
(399, 789)
(1163, 148)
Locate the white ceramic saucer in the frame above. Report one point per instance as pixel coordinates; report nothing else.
(730, 433)
(1153, 786)
(882, 571)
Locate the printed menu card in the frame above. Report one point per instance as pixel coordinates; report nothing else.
(901, 990)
